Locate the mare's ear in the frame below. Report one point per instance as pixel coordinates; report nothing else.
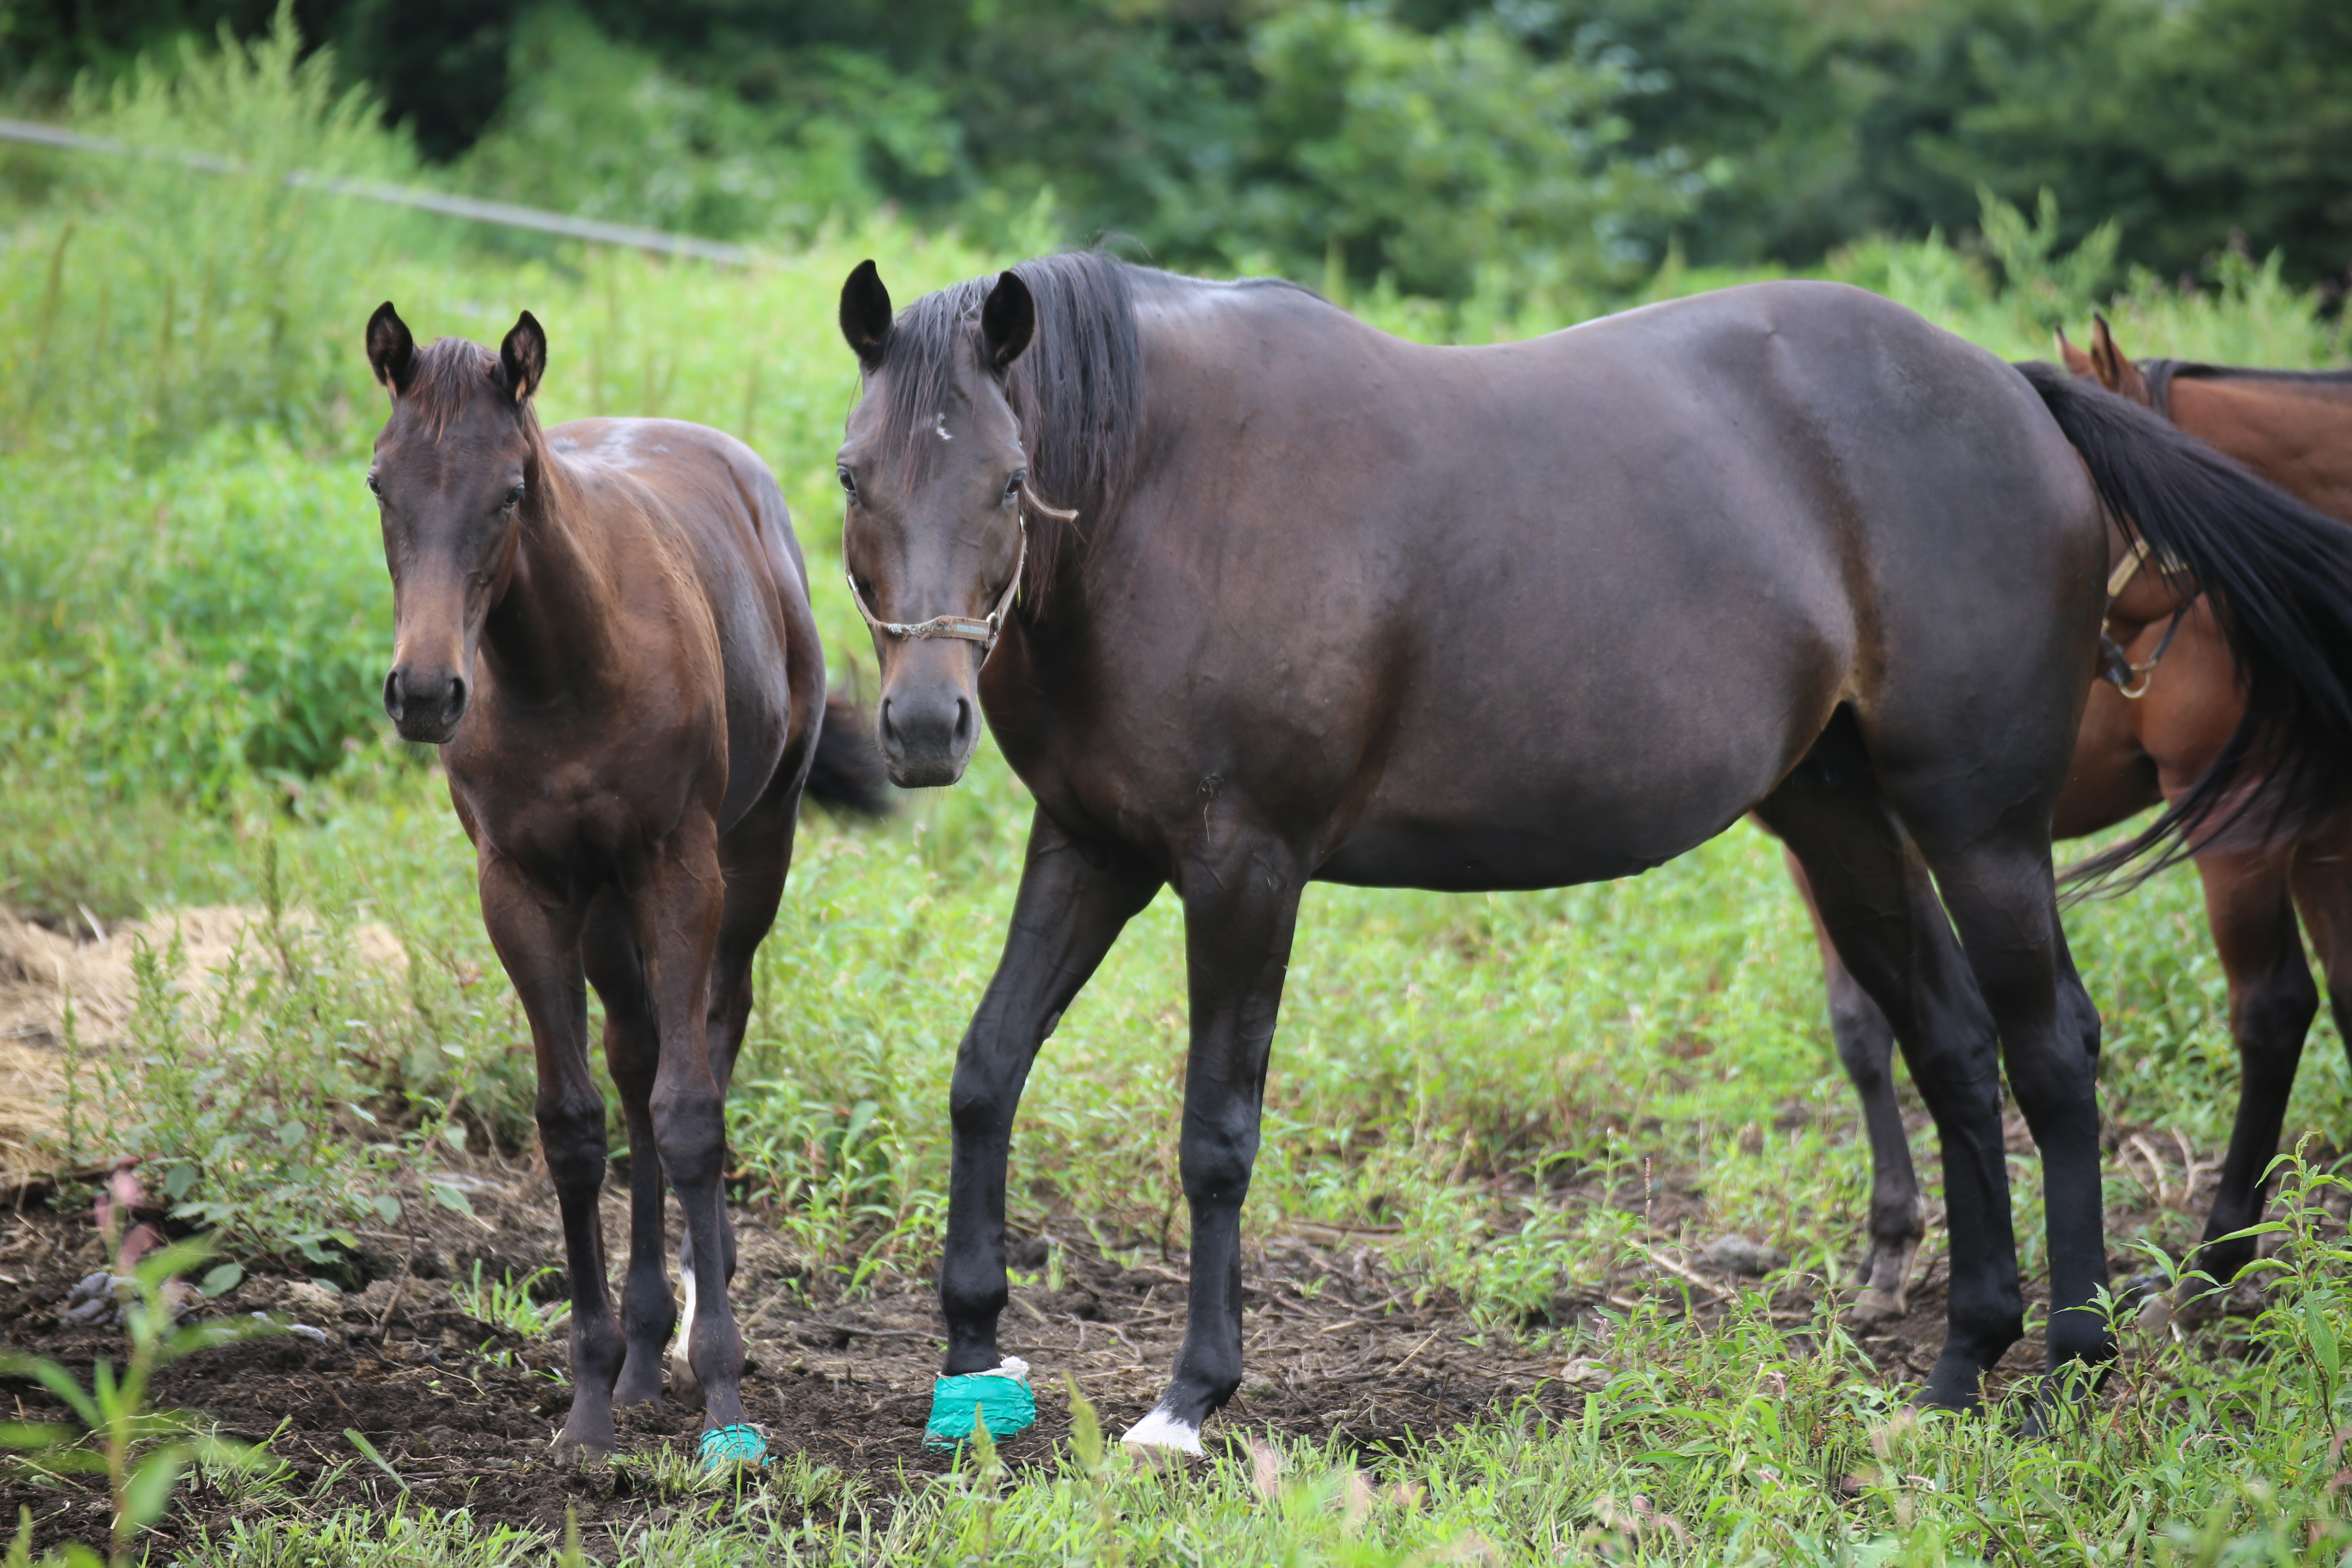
(2077, 362)
(1006, 323)
(2115, 373)
(866, 314)
(523, 358)
(389, 350)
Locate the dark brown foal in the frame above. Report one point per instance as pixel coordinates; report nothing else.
(605, 627)
(2146, 737)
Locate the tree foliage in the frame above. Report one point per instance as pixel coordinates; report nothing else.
(1563, 144)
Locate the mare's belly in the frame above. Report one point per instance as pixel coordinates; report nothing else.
(1575, 814)
(1482, 862)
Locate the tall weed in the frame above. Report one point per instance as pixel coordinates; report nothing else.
(154, 299)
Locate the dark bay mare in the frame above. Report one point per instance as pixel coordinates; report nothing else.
(1338, 605)
(605, 627)
(2148, 733)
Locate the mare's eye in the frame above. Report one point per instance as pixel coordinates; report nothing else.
(848, 481)
(1013, 487)
(514, 496)
(375, 487)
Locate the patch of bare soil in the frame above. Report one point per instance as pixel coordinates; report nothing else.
(1337, 1349)
(464, 1412)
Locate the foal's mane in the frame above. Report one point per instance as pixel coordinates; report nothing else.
(448, 373)
(1077, 391)
(2161, 373)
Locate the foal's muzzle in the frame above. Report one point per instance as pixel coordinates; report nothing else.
(424, 705)
(927, 736)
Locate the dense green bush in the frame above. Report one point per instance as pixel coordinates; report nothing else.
(1398, 131)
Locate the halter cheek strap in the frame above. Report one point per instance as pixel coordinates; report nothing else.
(2115, 667)
(969, 629)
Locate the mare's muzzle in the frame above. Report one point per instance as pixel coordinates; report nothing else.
(425, 704)
(928, 721)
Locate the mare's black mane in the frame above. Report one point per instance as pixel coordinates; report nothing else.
(1077, 391)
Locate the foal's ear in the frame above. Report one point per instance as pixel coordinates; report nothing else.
(2077, 362)
(1006, 323)
(523, 358)
(866, 314)
(389, 350)
(2115, 373)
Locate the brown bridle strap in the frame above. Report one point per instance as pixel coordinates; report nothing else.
(2115, 667)
(969, 629)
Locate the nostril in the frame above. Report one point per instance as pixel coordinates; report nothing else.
(963, 720)
(456, 706)
(392, 694)
(882, 721)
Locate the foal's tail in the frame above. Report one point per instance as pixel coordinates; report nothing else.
(2279, 577)
(847, 775)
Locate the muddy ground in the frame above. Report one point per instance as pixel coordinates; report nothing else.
(462, 1411)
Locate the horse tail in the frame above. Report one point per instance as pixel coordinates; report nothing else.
(846, 776)
(2278, 576)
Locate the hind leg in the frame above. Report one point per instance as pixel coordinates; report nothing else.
(1980, 819)
(754, 859)
(1865, 1046)
(631, 1055)
(2272, 1003)
(1879, 908)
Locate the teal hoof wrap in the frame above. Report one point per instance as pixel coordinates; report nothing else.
(1002, 1398)
(741, 1444)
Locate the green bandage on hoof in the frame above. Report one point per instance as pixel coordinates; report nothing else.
(1002, 1398)
(741, 1444)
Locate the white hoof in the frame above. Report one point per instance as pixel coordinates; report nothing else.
(1161, 1430)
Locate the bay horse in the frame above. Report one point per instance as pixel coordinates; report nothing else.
(604, 626)
(2148, 733)
(1250, 594)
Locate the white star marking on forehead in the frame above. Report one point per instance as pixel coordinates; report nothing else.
(940, 429)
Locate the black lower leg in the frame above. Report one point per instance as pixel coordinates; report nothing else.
(648, 1310)
(571, 1136)
(1075, 899)
(1240, 905)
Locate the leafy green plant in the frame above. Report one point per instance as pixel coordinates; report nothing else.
(250, 1101)
(141, 1452)
(506, 1302)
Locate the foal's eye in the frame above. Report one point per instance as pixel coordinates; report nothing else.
(1013, 488)
(848, 481)
(514, 498)
(376, 488)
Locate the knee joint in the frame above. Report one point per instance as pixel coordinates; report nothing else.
(1217, 1166)
(2277, 1011)
(572, 1138)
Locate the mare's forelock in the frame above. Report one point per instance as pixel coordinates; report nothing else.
(1077, 391)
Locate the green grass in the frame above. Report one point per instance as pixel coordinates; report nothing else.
(193, 616)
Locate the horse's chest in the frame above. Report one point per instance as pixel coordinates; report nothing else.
(574, 827)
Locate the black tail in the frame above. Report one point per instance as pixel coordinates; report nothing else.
(846, 775)
(2279, 577)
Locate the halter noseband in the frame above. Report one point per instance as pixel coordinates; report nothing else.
(969, 629)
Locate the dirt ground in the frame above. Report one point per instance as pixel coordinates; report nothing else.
(463, 1412)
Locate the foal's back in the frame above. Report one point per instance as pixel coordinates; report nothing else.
(704, 564)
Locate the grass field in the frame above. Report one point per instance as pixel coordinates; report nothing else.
(193, 621)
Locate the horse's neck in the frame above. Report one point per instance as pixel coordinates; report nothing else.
(552, 630)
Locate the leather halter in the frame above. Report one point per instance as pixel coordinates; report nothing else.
(2115, 667)
(969, 629)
